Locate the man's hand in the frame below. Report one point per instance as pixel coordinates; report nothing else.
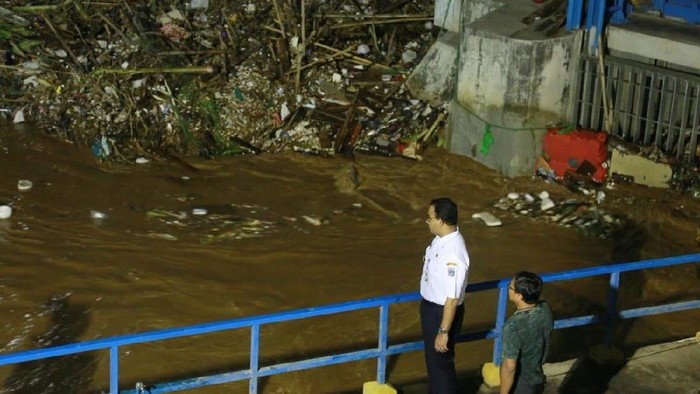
(441, 343)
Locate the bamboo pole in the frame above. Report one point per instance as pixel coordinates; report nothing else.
(42, 8)
(174, 70)
(270, 28)
(278, 18)
(357, 59)
(60, 39)
(607, 110)
(300, 54)
(328, 58)
(108, 22)
(380, 22)
(370, 16)
(194, 52)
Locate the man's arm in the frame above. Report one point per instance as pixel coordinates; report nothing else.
(448, 314)
(508, 366)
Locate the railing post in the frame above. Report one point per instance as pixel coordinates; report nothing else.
(114, 370)
(619, 14)
(254, 358)
(500, 321)
(573, 14)
(383, 342)
(612, 308)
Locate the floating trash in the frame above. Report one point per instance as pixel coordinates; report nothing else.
(488, 218)
(232, 222)
(98, 215)
(313, 220)
(583, 215)
(5, 211)
(362, 49)
(24, 185)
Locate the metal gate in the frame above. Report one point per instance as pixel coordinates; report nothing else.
(648, 105)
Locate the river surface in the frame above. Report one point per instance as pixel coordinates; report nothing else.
(101, 249)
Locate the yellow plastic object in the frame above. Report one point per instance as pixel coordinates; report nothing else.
(377, 388)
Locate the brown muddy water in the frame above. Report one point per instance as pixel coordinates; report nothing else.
(151, 264)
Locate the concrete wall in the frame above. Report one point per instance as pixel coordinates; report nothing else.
(434, 78)
(650, 40)
(513, 78)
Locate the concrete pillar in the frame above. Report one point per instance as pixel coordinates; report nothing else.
(434, 78)
(512, 82)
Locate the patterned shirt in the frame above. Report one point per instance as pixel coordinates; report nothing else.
(526, 338)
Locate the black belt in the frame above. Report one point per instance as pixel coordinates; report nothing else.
(432, 304)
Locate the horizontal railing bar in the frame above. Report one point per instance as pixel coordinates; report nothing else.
(475, 336)
(655, 310)
(578, 321)
(205, 328)
(480, 286)
(623, 267)
(319, 362)
(192, 383)
(404, 348)
(265, 371)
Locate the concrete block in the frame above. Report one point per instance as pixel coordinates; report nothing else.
(491, 374)
(510, 153)
(433, 79)
(377, 388)
(644, 171)
(512, 83)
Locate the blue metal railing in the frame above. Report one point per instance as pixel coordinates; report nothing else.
(383, 349)
(597, 13)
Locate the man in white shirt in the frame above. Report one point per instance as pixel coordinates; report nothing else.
(442, 286)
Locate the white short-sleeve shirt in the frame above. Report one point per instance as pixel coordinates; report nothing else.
(445, 269)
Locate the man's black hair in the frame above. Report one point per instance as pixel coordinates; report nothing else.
(529, 285)
(446, 210)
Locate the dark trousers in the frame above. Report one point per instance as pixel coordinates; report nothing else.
(523, 388)
(440, 366)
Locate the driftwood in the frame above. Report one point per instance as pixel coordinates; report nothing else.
(163, 70)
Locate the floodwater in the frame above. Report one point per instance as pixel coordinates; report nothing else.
(95, 250)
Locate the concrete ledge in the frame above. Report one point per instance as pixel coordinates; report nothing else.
(657, 38)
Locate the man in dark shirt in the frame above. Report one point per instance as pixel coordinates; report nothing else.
(525, 337)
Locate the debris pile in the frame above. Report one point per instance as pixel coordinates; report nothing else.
(133, 78)
(585, 216)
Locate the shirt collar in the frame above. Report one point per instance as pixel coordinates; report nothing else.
(446, 238)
